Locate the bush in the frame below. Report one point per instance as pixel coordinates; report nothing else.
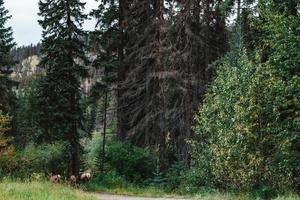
(109, 180)
(37, 159)
(7, 151)
(174, 176)
(132, 162)
(249, 123)
(264, 192)
(92, 152)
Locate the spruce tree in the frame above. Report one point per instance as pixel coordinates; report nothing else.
(6, 61)
(104, 43)
(63, 57)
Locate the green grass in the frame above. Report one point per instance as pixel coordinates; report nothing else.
(149, 191)
(130, 190)
(135, 190)
(10, 190)
(290, 197)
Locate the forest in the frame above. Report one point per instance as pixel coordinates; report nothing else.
(198, 99)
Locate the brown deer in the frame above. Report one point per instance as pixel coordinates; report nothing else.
(85, 177)
(73, 180)
(56, 178)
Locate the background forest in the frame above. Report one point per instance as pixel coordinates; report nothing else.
(181, 95)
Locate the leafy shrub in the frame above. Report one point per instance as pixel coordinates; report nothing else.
(108, 180)
(34, 160)
(132, 162)
(264, 192)
(192, 181)
(92, 152)
(174, 176)
(249, 123)
(28, 114)
(7, 151)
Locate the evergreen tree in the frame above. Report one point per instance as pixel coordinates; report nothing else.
(6, 61)
(63, 56)
(104, 44)
(165, 51)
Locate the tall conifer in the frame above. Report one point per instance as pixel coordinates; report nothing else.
(6, 61)
(63, 57)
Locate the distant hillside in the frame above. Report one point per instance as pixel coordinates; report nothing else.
(27, 58)
(23, 52)
(25, 69)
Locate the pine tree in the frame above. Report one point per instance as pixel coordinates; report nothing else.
(63, 57)
(6, 61)
(104, 44)
(165, 51)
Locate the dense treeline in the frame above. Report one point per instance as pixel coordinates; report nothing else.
(23, 52)
(182, 94)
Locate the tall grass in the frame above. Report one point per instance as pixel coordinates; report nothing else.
(10, 190)
(114, 185)
(290, 197)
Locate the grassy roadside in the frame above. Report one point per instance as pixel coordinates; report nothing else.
(132, 190)
(128, 190)
(11, 190)
(14, 190)
(148, 191)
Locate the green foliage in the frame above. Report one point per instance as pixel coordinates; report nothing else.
(247, 128)
(194, 181)
(171, 179)
(7, 151)
(283, 85)
(113, 183)
(249, 121)
(223, 130)
(63, 57)
(265, 192)
(6, 61)
(158, 177)
(132, 162)
(33, 161)
(173, 176)
(28, 114)
(40, 159)
(108, 180)
(4, 122)
(290, 197)
(92, 149)
(105, 39)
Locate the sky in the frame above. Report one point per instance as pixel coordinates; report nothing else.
(24, 20)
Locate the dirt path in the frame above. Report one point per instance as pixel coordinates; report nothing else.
(123, 197)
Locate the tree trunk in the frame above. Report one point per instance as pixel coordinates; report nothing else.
(104, 129)
(239, 13)
(75, 160)
(292, 8)
(121, 72)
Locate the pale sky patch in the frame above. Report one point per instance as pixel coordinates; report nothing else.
(25, 16)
